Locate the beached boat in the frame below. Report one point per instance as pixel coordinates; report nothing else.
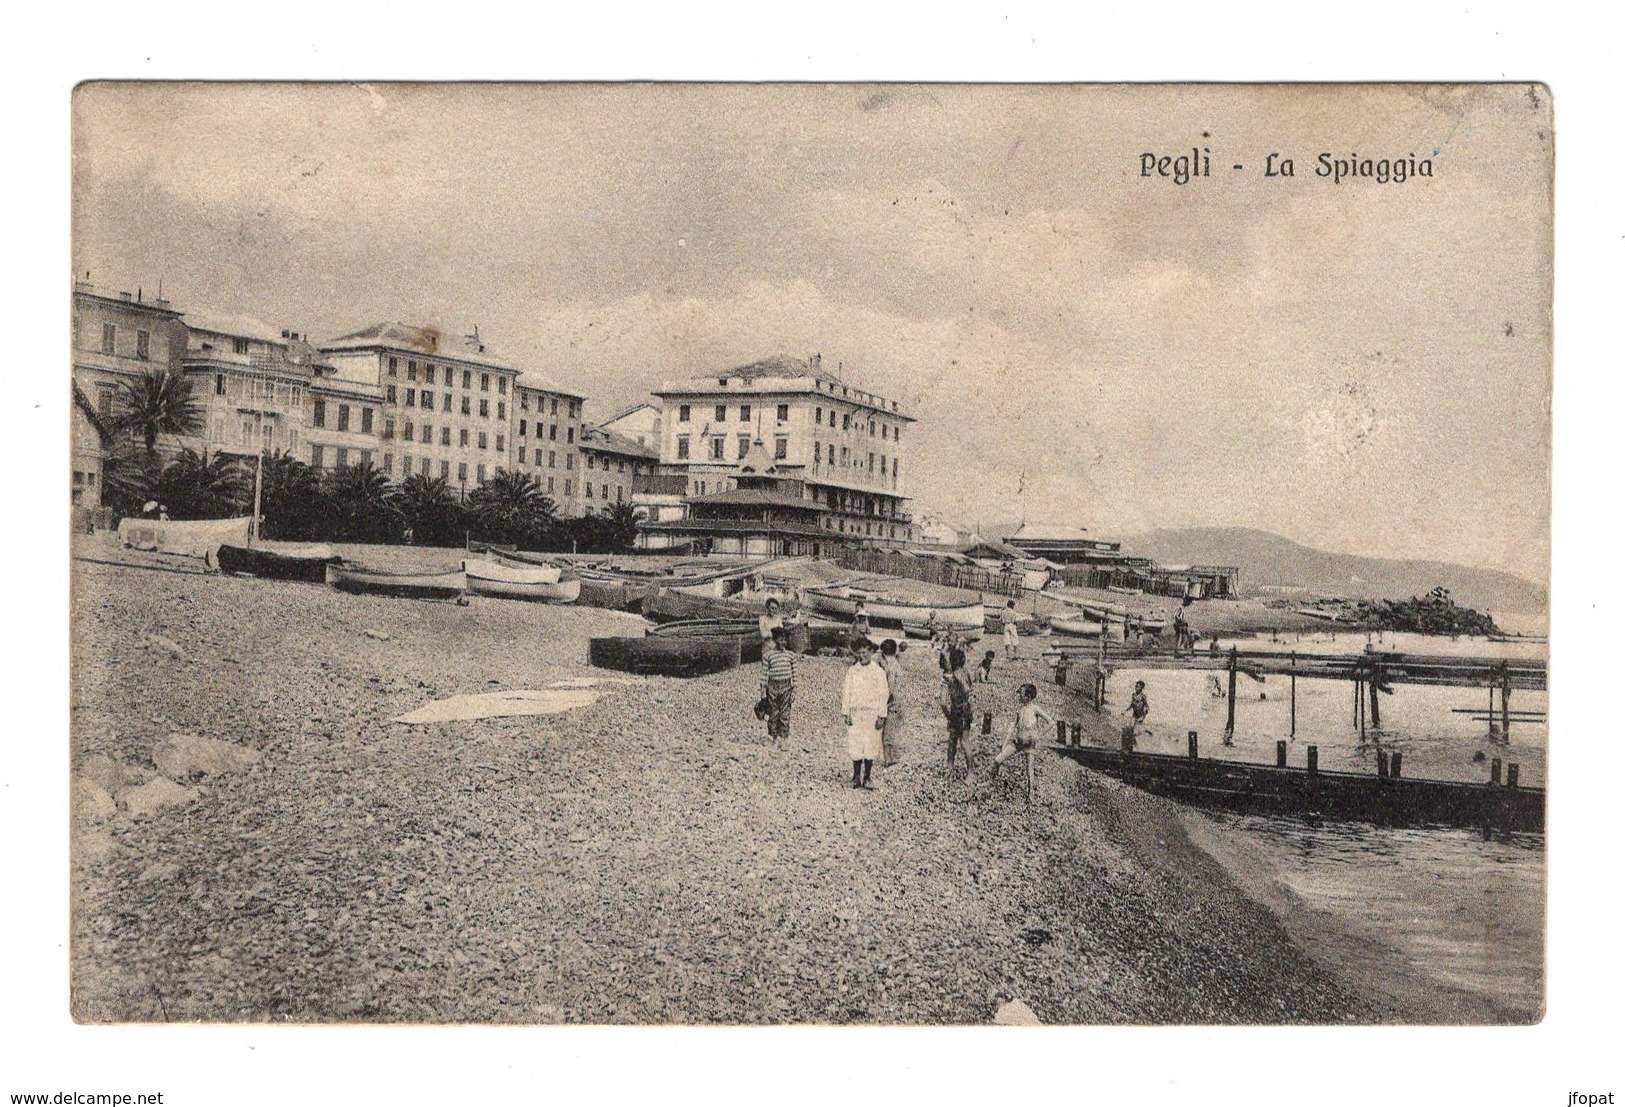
(1317, 613)
(443, 585)
(613, 594)
(542, 583)
(1099, 610)
(275, 566)
(887, 613)
(1075, 627)
(745, 631)
(662, 656)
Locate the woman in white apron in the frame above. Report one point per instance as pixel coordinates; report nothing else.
(863, 709)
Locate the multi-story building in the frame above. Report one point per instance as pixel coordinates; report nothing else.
(610, 465)
(640, 423)
(253, 382)
(115, 340)
(842, 445)
(546, 438)
(433, 407)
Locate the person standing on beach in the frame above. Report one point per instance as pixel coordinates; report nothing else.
(1024, 733)
(779, 683)
(985, 675)
(1139, 707)
(860, 627)
(863, 709)
(892, 663)
(956, 705)
(769, 621)
(1011, 634)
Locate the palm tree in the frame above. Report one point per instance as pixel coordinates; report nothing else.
(290, 498)
(197, 486)
(429, 509)
(158, 402)
(510, 508)
(358, 507)
(622, 528)
(129, 478)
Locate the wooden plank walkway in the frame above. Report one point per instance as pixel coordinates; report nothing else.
(1384, 668)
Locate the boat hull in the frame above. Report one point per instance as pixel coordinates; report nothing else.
(673, 657)
(272, 566)
(522, 583)
(744, 632)
(964, 619)
(1075, 628)
(410, 586)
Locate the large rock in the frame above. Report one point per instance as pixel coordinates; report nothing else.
(91, 801)
(154, 796)
(187, 756)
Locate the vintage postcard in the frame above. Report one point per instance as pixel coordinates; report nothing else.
(810, 554)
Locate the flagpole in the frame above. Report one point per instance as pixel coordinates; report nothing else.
(259, 473)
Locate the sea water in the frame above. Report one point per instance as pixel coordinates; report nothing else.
(1463, 911)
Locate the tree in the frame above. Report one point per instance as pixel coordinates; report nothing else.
(198, 486)
(357, 505)
(621, 528)
(291, 505)
(429, 511)
(158, 402)
(510, 508)
(129, 479)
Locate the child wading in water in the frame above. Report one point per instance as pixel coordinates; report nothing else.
(1024, 734)
(863, 709)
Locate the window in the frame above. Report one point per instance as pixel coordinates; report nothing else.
(445, 469)
(366, 420)
(315, 457)
(524, 400)
(884, 431)
(485, 382)
(620, 493)
(575, 409)
(389, 429)
(502, 386)
(479, 474)
(341, 457)
(716, 448)
(553, 408)
(389, 463)
(620, 466)
(411, 397)
(427, 434)
(744, 444)
(682, 446)
(521, 428)
(882, 464)
(389, 394)
(462, 472)
(219, 384)
(445, 404)
(586, 489)
(318, 414)
(462, 437)
(485, 409)
(448, 376)
(569, 489)
(366, 457)
(468, 378)
(411, 370)
(143, 345)
(482, 440)
(744, 413)
(722, 413)
(569, 461)
(521, 455)
(109, 338)
(682, 413)
(871, 428)
(552, 459)
(394, 369)
(407, 430)
(846, 420)
(468, 407)
(247, 436)
(501, 443)
(592, 462)
(781, 448)
(445, 436)
(550, 485)
(552, 432)
(502, 405)
(784, 413)
(569, 434)
(104, 399)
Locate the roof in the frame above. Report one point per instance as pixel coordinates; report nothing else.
(989, 547)
(618, 416)
(607, 441)
(758, 497)
(738, 526)
(1040, 533)
(537, 383)
(237, 326)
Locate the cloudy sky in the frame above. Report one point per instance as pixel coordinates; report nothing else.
(1359, 367)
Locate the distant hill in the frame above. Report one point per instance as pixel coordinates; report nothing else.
(1269, 559)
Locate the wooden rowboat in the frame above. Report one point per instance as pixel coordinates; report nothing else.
(443, 585)
(273, 566)
(662, 656)
(909, 616)
(546, 584)
(1075, 627)
(745, 631)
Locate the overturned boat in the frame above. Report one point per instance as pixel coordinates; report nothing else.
(309, 565)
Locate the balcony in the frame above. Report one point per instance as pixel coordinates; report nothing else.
(660, 484)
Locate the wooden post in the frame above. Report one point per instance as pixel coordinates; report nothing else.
(987, 722)
(1359, 705)
(1230, 710)
(1512, 775)
(1190, 739)
(1506, 711)
(1376, 709)
(1314, 760)
(1495, 770)
(1382, 764)
(1077, 734)
(1393, 765)
(1060, 673)
(1060, 732)
(1294, 695)
(1128, 740)
(1492, 706)
(1280, 754)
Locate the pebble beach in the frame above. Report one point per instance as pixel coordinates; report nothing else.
(650, 857)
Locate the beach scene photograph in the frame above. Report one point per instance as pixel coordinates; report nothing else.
(807, 554)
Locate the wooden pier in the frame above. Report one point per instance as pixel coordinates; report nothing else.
(1385, 797)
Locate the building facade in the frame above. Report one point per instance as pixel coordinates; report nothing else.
(253, 384)
(764, 514)
(842, 445)
(611, 463)
(547, 440)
